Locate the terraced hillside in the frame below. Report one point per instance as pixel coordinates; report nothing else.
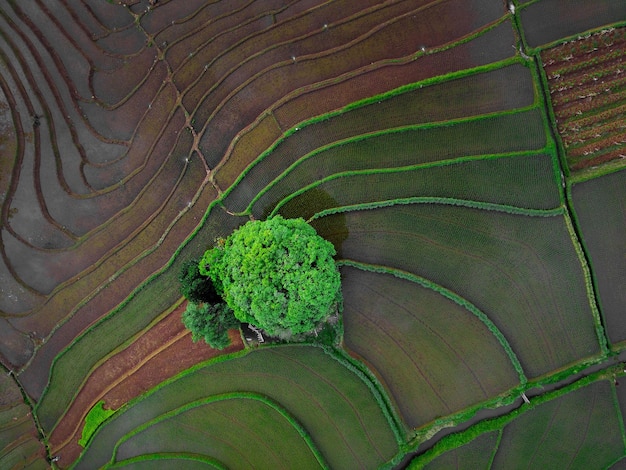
(436, 143)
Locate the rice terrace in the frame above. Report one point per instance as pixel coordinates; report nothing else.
(461, 163)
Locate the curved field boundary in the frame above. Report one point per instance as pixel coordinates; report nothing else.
(330, 96)
(417, 350)
(402, 137)
(467, 234)
(448, 294)
(360, 108)
(393, 183)
(528, 412)
(149, 460)
(20, 441)
(107, 330)
(258, 371)
(223, 397)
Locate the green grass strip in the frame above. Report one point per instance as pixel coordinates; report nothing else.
(597, 320)
(96, 416)
(441, 200)
(370, 135)
(418, 166)
(455, 440)
(226, 396)
(451, 296)
(170, 456)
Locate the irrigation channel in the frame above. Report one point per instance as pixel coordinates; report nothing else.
(490, 413)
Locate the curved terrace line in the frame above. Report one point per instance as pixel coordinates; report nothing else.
(302, 432)
(457, 299)
(391, 170)
(159, 457)
(102, 319)
(381, 64)
(361, 137)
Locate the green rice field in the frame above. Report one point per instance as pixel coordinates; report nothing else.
(465, 158)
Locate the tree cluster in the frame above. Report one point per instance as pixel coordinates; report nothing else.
(207, 316)
(277, 274)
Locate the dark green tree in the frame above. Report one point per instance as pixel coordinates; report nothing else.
(277, 274)
(196, 287)
(210, 322)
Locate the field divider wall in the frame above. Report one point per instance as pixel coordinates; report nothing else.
(451, 296)
(383, 96)
(229, 396)
(113, 314)
(377, 389)
(418, 166)
(169, 456)
(589, 283)
(445, 201)
(455, 440)
(369, 135)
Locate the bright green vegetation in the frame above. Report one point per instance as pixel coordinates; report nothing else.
(278, 275)
(477, 454)
(438, 215)
(342, 413)
(194, 286)
(579, 427)
(210, 322)
(96, 416)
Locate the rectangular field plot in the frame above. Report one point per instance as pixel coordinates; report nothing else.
(335, 406)
(522, 272)
(422, 344)
(549, 20)
(578, 430)
(600, 205)
(491, 135)
(523, 181)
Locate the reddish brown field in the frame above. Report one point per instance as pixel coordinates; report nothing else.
(588, 93)
(159, 353)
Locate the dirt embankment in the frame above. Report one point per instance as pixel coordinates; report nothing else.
(156, 355)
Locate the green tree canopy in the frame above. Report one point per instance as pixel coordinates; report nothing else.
(277, 274)
(194, 286)
(210, 322)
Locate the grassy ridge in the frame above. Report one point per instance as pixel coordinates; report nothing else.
(417, 340)
(523, 180)
(404, 146)
(485, 257)
(538, 430)
(238, 430)
(333, 404)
